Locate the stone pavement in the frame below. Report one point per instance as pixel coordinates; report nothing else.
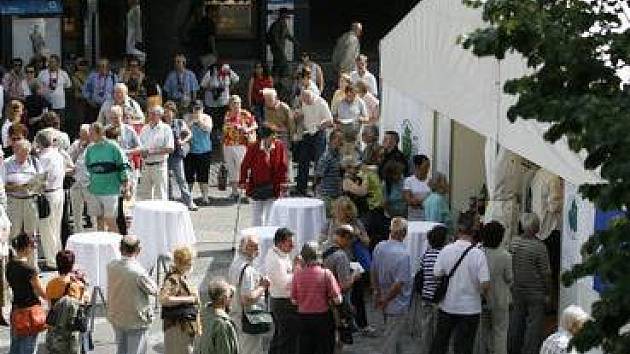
(214, 226)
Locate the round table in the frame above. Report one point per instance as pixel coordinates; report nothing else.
(93, 251)
(416, 241)
(162, 226)
(265, 238)
(306, 217)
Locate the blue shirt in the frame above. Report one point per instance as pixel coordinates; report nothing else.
(396, 204)
(99, 88)
(391, 263)
(177, 86)
(436, 209)
(200, 143)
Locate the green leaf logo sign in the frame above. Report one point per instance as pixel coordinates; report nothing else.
(573, 216)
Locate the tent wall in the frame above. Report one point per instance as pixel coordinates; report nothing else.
(421, 59)
(468, 172)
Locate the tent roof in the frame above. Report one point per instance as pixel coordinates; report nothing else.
(421, 58)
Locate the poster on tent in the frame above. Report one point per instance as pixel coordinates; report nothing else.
(36, 35)
(273, 6)
(578, 225)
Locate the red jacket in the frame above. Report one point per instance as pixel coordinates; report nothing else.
(258, 168)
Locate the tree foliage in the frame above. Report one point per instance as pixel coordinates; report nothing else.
(574, 49)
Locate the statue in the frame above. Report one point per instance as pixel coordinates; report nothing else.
(37, 41)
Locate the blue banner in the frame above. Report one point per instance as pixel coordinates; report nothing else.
(31, 7)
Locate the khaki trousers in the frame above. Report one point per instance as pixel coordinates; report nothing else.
(50, 227)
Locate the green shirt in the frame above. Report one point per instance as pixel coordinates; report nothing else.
(219, 333)
(375, 193)
(107, 166)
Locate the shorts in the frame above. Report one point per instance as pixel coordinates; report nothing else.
(105, 206)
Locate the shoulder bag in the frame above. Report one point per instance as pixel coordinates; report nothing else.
(28, 321)
(184, 312)
(253, 321)
(440, 291)
(43, 205)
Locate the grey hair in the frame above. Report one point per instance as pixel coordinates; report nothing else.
(530, 223)
(84, 128)
(217, 288)
(398, 228)
(44, 139)
(269, 92)
(115, 111)
(310, 252)
(242, 246)
(573, 318)
(121, 86)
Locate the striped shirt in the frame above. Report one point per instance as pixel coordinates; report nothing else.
(329, 170)
(430, 282)
(530, 265)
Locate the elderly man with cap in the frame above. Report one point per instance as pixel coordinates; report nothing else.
(157, 142)
(239, 129)
(264, 174)
(251, 288)
(131, 109)
(128, 290)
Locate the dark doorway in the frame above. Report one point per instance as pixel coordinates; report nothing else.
(111, 18)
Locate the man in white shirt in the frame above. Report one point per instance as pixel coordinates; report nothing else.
(416, 189)
(55, 81)
(53, 164)
(79, 192)
(312, 119)
(461, 306)
(131, 109)
(279, 268)
(361, 73)
(351, 113)
(156, 141)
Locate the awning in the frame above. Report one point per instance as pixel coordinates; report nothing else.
(31, 7)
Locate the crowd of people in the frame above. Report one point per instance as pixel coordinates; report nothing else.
(77, 145)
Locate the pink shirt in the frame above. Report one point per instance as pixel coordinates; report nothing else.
(312, 288)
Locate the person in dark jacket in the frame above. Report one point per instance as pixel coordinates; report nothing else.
(392, 153)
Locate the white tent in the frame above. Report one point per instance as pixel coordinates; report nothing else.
(421, 61)
(425, 70)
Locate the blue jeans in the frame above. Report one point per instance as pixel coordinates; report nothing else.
(131, 341)
(23, 344)
(176, 166)
(309, 149)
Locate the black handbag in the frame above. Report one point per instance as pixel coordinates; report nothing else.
(43, 206)
(254, 321)
(263, 192)
(442, 288)
(187, 312)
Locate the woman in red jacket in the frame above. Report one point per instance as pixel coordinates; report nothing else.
(264, 173)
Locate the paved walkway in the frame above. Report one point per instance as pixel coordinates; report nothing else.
(214, 226)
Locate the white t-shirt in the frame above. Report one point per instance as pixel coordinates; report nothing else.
(158, 137)
(369, 80)
(54, 85)
(315, 114)
(419, 189)
(53, 163)
(463, 296)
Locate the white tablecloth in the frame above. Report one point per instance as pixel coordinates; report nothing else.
(416, 241)
(93, 251)
(162, 226)
(265, 236)
(306, 217)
